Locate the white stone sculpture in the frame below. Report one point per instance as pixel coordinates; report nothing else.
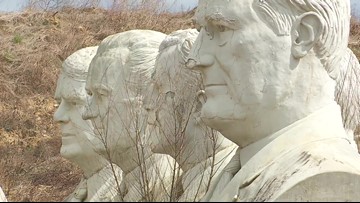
(269, 69)
(347, 94)
(98, 182)
(174, 119)
(2, 196)
(117, 80)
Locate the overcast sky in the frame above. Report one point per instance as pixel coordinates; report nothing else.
(174, 5)
(16, 5)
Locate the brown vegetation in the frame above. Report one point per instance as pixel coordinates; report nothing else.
(354, 41)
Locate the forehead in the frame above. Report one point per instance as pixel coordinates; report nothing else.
(168, 60)
(167, 67)
(68, 88)
(103, 70)
(233, 11)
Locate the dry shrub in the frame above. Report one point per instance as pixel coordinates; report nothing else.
(355, 36)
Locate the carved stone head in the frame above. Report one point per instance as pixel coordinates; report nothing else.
(267, 63)
(117, 80)
(72, 98)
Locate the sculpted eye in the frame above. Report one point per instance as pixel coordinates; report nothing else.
(209, 32)
(73, 103)
(89, 92)
(222, 28)
(102, 92)
(148, 108)
(196, 25)
(58, 101)
(170, 95)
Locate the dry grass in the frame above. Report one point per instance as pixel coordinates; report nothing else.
(34, 44)
(354, 41)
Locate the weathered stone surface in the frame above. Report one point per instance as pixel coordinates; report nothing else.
(98, 183)
(118, 77)
(269, 70)
(174, 103)
(2, 196)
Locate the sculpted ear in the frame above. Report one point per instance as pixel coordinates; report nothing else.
(185, 49)
(305, 32)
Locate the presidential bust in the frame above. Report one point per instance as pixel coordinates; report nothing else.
(2, 196)
(173, 103)
(118, 76)
(347, 95)
(98, 182)
(269, 69)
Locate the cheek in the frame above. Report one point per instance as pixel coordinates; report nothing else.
(166, 118)
(77, 117)
(248, 76)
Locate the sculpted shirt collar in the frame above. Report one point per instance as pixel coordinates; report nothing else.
(324, 124)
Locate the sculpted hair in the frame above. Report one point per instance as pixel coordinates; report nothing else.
(173, 53)
(77, 64)
(170, 70)
(280, 15)
(138, 49)
(347, 91)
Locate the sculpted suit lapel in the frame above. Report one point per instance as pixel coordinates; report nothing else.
(288, 148)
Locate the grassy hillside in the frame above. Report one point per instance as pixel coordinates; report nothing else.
(33, 46)
(354, 41)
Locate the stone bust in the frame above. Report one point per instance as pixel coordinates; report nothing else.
(2, 196)
(98, 183)
(173, 103)
(117, 80)
(347, 95)
(269, 69)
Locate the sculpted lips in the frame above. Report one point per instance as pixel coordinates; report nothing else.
(68, 134)
(214, 85)
(67, 131)
(215, 89)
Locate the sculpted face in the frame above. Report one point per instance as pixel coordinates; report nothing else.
(109, 109)
(166, 112)
(174, 106)
(75, 131)
(245, 67)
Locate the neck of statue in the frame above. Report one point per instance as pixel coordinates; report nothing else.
(304, 99)
(88, 160)
(90, 163)
(330, 116)
(132, 157)
(200, 149)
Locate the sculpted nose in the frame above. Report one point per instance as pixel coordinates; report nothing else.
(90, 112)
(60, 114)
(201, 54)
(191, 63)
(204, 60)
(152, 117)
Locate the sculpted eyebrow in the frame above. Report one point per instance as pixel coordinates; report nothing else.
(101, 88)
(72, 98)
(220, 19)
